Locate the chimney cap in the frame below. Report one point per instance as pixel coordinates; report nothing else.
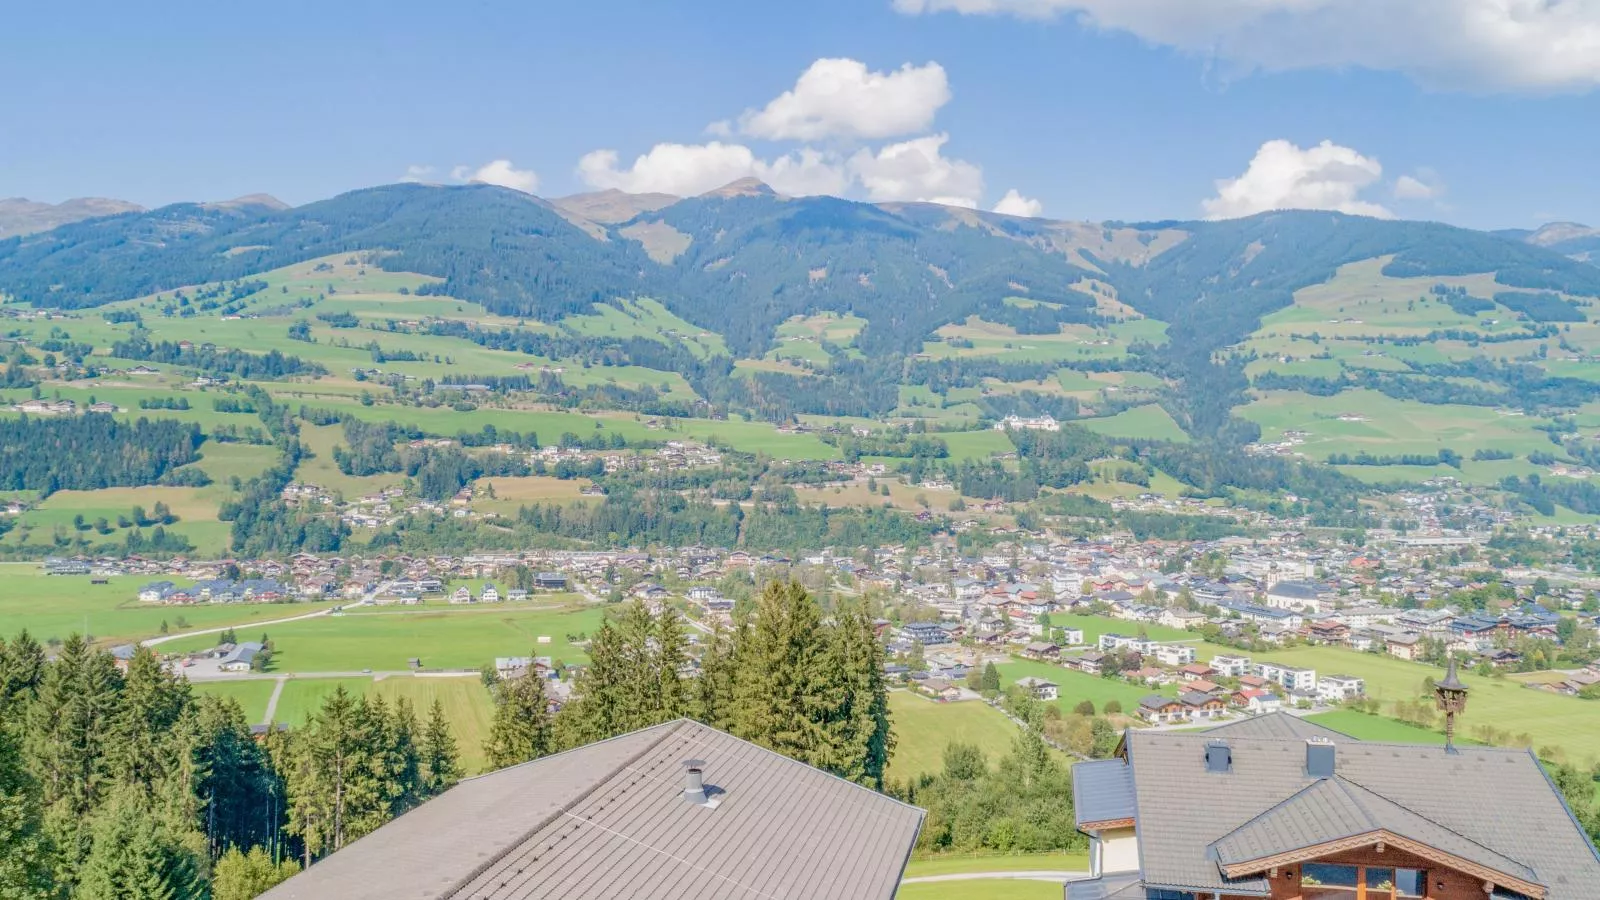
(695, 765)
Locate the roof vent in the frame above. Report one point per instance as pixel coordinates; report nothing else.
(694, 784)
(1320, 757)
(1219, 759)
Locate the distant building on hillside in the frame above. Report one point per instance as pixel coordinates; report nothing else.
(1028, 423)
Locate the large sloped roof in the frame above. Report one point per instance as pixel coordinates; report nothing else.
(1277, 725)
(1336, 808)
(610, 820)
(1102, 791)
(1183, 809)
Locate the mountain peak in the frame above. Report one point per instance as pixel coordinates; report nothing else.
(1557, 232)
(264, 200)
(744, 187)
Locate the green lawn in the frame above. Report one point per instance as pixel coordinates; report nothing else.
(985, 888)
(302, 696)
(923, 728)
(443, 638)
(1076, 687)
(1149, 422)
(1376, 728)
(956, 863)
(252, 695)
(55, 606)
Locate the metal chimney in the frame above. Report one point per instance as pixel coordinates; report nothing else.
(1219, 759)
(694, 784)
(1320, 758)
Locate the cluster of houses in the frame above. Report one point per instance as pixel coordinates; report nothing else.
(44, 407)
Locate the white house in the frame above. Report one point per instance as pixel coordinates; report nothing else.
(1181, 618)
(1034, 423)
(1231, 666)
(1072, 637)
(1174, 654)
(1339, 688)
(1290, 677)
(490, 594)
(1301, 595)
(1039, 688)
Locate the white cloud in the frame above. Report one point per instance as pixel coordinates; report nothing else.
(1424, 185)
(689, 169)
(918, 170)
(417, 173)
(1284, 176)
(841, 98)
(500, 172)
(1014, 204)
(1493, 45)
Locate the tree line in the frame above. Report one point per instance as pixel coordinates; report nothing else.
(130, 786)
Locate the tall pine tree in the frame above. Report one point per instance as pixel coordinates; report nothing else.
(782, 692)
(521, 730)
(441, 766)
(25, 870)
(860, 737)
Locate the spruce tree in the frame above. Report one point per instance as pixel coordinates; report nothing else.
(22, 665)
(335, 783)
(714, 688)
(521, 730)
(404, 759)
(65, 746)
(239, 793)
(152, 702)
(25, 870)
(132, 858)
(672, 654)
(782, 697)
(599, 707)
(860, 738)
(245, 876)
(441, 766)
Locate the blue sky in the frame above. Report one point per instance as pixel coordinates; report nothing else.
(1092, 109)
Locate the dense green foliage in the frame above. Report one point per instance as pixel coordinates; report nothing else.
(91, 451)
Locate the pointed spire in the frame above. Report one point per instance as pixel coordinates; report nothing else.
(1451, 682)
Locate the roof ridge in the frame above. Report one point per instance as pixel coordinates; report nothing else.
(1344, 785)
(668, 729)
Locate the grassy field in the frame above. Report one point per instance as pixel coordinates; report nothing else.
(1376, 728)
(1076, 687)
(957, 863)
(55, 606)
(252, 695)
(923, 728)
(1150, 422)
(1363, 420)
(444, 638)
(986, 888)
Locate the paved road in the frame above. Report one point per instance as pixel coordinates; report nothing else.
(1033, 875)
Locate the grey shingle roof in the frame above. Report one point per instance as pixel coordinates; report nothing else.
(1182, 809)
(609, 820)
(1335, 808)
(1102, 791)
(1277, 725)
(1106, 887)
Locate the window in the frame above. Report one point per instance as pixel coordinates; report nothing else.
(1410, 883)
(1322, 881)
(1328, 881)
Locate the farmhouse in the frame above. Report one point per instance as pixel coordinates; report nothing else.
(1277, 807)
(1039, 688)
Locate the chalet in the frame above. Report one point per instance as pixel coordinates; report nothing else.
(1200, 706)
(1039, 688)
(550, 581)
(1312, 813)
(1257, 702)
(1089, 663)
(1194, 671)
(1162, 710)
(1327, 632)
(489, 594)
(1203, 686)
(461, 594)
(517, 595)
(1042, 650)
